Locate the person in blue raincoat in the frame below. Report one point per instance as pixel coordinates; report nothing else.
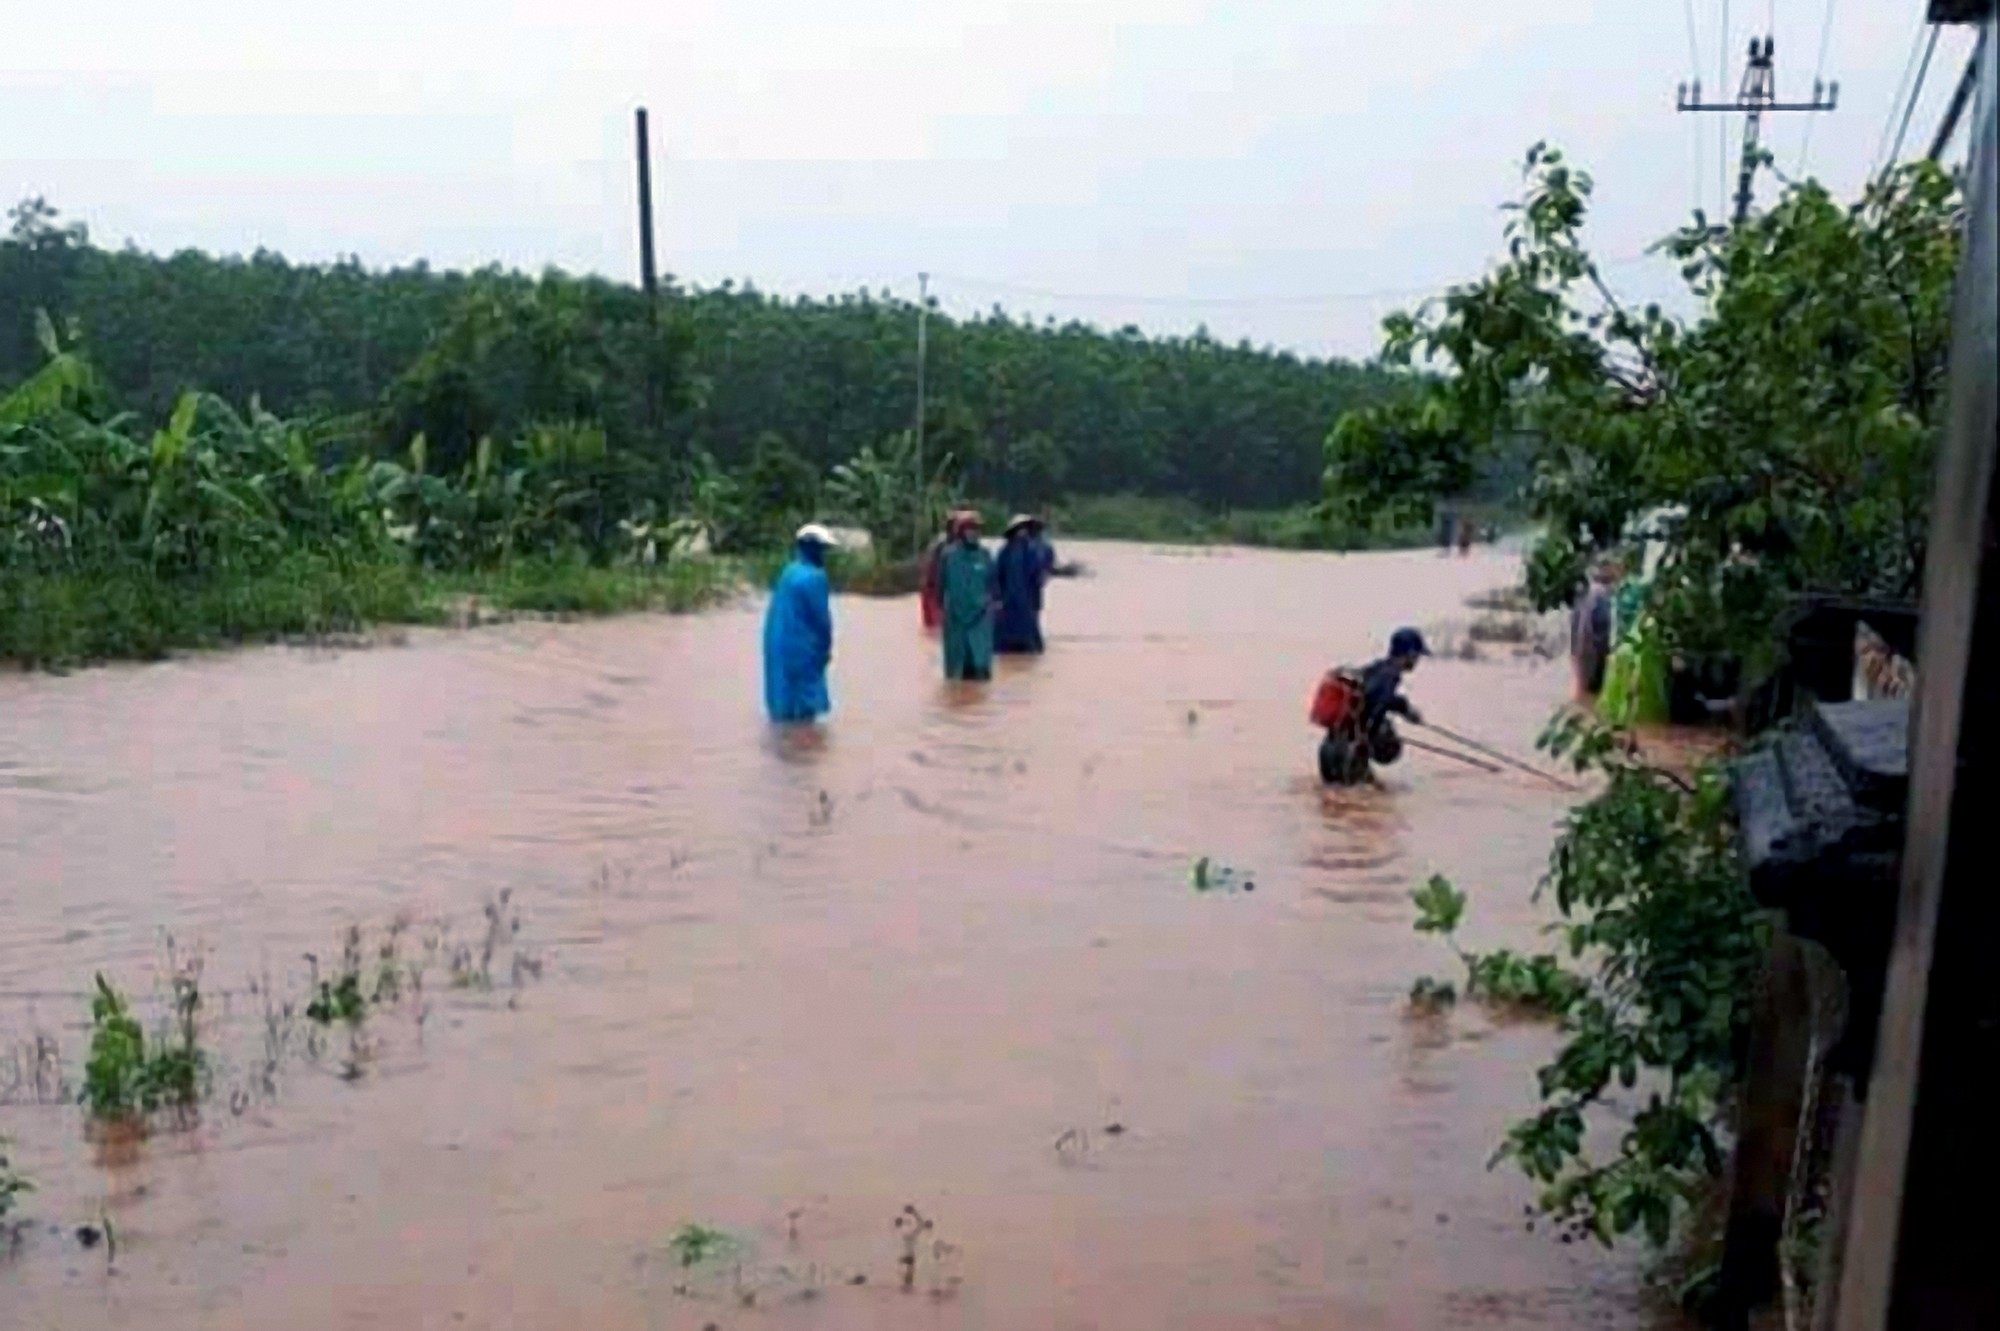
(1045, 554)
(1019, 575)
(798, 632)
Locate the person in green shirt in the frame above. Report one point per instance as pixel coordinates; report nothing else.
(1628, 602)
(965, 584)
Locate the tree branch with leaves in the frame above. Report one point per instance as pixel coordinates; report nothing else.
(1787, 429)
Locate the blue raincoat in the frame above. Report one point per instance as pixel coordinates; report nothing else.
(1018, 575)
(798, 643)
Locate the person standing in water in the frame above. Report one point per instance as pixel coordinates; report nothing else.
(798, 632)
(1021, 572)
(1382, 694)
(965, 585)
(930, 598)
(1591, 627)
(1045, 554)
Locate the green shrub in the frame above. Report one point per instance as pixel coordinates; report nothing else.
(122, 1078)
(1653, 904)
(93, 613)
(114, 1076)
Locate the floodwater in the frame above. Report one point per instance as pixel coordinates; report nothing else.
(944, 953)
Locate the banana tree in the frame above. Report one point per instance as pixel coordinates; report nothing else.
(878, 492)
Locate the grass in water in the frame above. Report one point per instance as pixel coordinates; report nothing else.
(74, 616)
(77, 616)
(574, 587)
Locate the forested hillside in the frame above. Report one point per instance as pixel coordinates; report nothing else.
(1029, 412)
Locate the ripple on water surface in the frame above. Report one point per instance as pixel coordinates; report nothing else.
(931, 955)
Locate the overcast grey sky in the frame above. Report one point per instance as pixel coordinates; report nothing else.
(1261, 167)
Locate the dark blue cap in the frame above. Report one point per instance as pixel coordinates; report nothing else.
(1407, 642)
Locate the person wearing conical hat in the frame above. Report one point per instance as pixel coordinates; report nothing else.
(1019, 575)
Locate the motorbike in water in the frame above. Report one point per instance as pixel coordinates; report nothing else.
(1350, 747)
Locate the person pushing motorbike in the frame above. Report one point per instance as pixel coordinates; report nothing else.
(1382, 694)
(1355, 711)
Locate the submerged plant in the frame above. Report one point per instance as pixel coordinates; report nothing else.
(474, 970)
(33, 1073)
(177, 1072)
(277, 1035)
(693, 1244)
(114, 1075)
(13, 1183)
(1430, 994)
(125, 1080)
(911, 1226)
(340, 998)
(1209, 875)
(1537, 983)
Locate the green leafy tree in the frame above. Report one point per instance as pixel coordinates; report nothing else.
(39, 261)
(780, 491)
(516, 352)
(1646, 880)
(1787, 430)
(880, 492)
(1778, 442)
(1393, 462)
(1034, 411)
(1663, 942)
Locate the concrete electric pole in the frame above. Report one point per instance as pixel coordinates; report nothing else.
(923, 315)
(1758, 95)
(649, 278)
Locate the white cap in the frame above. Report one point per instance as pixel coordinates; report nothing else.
(819, 535)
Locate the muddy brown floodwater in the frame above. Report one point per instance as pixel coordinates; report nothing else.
(946, 953)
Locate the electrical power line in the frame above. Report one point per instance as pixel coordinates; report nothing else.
(1916, 91)
(1722, 127)
(1130, 298)
(1319, 298)
(1694, 72)
(1902, 85)
(1959, 97)
(1819, 68)
(1694, 127)
(1757, 98)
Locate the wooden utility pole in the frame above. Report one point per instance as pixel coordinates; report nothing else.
(649, 278)
(1918, 1252)
(1758, 95)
